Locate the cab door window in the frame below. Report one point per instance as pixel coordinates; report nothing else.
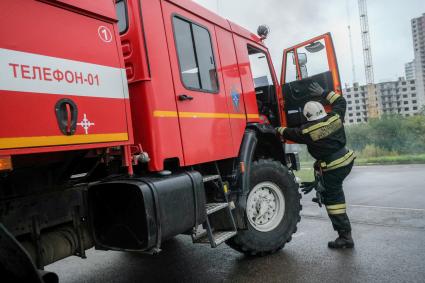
(196, 56)
(291, 68)
(312, 59)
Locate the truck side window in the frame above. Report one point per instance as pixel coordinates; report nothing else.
(122, 15)
(264, 86)
(291, 69)
(196, 57)
(260, 68)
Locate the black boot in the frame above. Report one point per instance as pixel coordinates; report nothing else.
(344, 241)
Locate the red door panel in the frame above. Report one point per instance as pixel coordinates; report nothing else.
(200, 93)
(232, 84)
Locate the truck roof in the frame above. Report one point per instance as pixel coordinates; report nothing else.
(216, 19)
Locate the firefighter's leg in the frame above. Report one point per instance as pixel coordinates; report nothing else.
(336, 207)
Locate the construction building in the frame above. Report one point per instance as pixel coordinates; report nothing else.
(394, 98)
(410, 70)
(405, 96)
(418, 32)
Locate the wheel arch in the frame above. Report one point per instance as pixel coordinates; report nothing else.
(269, 144)
(256, 138)
(259, 142)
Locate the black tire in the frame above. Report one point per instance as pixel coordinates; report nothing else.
(256, 243)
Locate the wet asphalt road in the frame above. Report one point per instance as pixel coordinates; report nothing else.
(387, 209)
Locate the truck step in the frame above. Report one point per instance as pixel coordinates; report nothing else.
(219, 237)
(209, 178)
(214, 207)
(199, 234)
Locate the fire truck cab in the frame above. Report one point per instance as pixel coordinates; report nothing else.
(128, 122)
(197, 80)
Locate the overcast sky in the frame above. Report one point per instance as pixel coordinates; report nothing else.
(295, 21)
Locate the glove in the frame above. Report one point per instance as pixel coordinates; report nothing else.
(318, 199)
(307, 187)
(280, 130)
(316, 90)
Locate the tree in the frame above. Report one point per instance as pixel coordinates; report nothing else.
(394, 134)
(422, 111)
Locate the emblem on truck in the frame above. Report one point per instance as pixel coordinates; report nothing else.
(86, 124)
(235, 99)
(104, 34)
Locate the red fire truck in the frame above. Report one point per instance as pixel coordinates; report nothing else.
(125, 123)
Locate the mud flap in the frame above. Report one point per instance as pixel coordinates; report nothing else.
(15, 263)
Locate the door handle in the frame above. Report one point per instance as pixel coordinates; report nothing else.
(185, 97)
(66, 114)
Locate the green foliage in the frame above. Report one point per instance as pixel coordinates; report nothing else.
(388, 136)
(372, 150)
(388, 140)
(306, 173)
(399, 159)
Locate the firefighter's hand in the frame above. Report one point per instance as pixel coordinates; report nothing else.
(318, 199)
(307, 187)
(316, 90)
(280, 130)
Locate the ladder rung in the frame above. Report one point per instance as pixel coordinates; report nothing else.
(210, 178)
(219, 237)
(222, 236)
(214, 207)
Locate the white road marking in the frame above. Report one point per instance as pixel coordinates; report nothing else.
(373, 206)
(386, 207)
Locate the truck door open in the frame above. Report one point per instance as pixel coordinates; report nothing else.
(311, 61)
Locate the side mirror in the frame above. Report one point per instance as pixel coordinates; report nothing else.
(302, 59)
(315, 47)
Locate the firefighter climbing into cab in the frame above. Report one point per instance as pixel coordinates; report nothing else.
(325, 138)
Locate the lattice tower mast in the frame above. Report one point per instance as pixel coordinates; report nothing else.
(368, 62)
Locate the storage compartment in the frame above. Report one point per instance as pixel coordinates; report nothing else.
(138, 214)
(62, 83)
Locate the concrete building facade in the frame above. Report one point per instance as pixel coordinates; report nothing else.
(398, 97)
(394, 98)
(356, 97)
(418, 32)
(405, 97)
(410, 70)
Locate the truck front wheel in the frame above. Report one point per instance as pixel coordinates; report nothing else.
(273, 210)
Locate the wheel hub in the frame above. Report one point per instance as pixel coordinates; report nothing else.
(265, 206)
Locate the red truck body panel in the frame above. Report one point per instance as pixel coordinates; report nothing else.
(88, 65)
(77, 58)
(211, 126)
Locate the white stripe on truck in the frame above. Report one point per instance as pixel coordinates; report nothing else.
(29, 72)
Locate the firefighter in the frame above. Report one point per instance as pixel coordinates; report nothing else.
(325, 138)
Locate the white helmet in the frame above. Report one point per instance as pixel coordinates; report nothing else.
(314, 111)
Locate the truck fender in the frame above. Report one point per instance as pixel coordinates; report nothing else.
(255, 136)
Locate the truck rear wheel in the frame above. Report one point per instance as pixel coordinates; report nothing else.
(273, 210)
